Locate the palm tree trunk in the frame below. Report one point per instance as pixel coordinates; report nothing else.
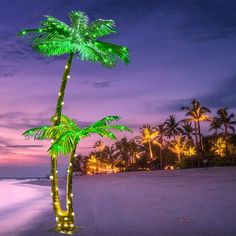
(150, 151)
(200, 137)
(226, 140)
(57, 118)
(196, 143)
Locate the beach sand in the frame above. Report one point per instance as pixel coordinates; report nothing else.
(193, 202)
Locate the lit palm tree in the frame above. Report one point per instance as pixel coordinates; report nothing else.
(149, 136)
(65, 138)
(55, 38)
(178, 146)
(92, 164)
(197, 113)
(218, 146)
(226, 122)
(172, 127)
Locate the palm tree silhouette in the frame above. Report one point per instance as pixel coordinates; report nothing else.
(55, 38)
(215, 125)
(226, 122)
(197, 113)
(66, 137)
(172, 127)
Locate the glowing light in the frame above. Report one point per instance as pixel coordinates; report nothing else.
(68, 76)
(66, 66)
(59, 93)
(71, 194)
(72, 213)
(51, 177)
(62, 103)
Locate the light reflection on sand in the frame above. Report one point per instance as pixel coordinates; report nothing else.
(19, 204)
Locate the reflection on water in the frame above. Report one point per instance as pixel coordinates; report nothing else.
(19, 204)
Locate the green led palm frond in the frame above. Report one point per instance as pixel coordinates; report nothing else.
(101, 28)
(120, 128)
(113, 50)
(36, 133)
(54, 38)
(105, 121)
(64, 144)
(53, 27)
(79, 20)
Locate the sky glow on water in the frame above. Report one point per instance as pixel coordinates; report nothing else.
(20, 204)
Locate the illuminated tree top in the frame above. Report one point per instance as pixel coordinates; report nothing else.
(68, 134)
(54, 38)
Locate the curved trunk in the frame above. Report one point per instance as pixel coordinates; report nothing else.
(150, 151)
(57, 118)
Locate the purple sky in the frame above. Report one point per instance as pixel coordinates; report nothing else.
(179, 50)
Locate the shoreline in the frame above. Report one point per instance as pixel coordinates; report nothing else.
(144, 203)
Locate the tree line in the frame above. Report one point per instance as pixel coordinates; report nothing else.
(168, 145)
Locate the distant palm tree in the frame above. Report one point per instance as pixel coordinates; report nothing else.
(122, 149)
(178, 146)
(149, 136)
(161, 139)
(197, 113)
(187, 130)
(172, 127)
(218, 146)
(215, 125)
(100, 146)
(109, 151)
(92, 164)
(134, 150)
(54, 38)
(65, 138)
(226, 122)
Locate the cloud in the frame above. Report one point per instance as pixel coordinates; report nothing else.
(223, 96)
(101, 84)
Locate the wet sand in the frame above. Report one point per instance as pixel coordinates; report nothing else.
(193, 202)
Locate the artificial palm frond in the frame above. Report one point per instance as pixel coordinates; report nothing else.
(101, 28)
(114, 50)
(36, 133)
(120, 128)
(64, 144)
(79, 20)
